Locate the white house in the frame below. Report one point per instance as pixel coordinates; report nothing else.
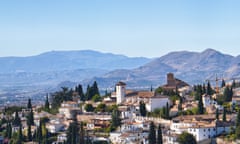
(200, 126)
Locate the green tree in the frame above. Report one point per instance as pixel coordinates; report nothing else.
(238, 119)
(143, 110)
(72, 133)
(95, 89)
(30, 118)
(101, 108)
(58, 97)
(186, 138)
(209, 89)
(237, 132)
(29, 105)
(29, 133)
(80, 92)
(20, 136)
(81, 133)
(46, 106)
(159, 135)
(223, 83)
(9, 130)
(116, 120)
(167, 111)
(89, 107)
(96, 98)
(217, 114)
(152, 134)
(224, 114)
(17, 120)
(200, 106)
(227, 94)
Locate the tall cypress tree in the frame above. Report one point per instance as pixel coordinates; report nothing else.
(46, 106)
(30, 118)
(238, 119)
(72, 133)
(224, 114)
(209, 88)
(80, 93)
(29, 133)
(217, 114)
(20, 136)
(81, 133)
(143, 110)
(29, 105)
(223, 83)
(200, 105)
(167, 111)
(17, 120)
(159, 135)
(95, 89)
(152, 134)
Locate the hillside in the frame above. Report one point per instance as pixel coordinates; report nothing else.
(69, 60)
(192, 67)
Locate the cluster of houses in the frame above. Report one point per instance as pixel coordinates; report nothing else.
(134, 128)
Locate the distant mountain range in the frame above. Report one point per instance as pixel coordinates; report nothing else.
(66, 68)
(192, 67)
(69, 60)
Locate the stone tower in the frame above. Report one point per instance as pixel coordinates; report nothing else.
(120, 92)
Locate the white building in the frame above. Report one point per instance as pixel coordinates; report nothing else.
(69, 108)
(120, 92)
(200, 126)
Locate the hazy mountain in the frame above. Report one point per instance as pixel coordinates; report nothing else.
(192, 67)
(69, 60)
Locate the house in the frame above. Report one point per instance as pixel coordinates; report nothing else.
(69, 109)
(200, 126)
(55, 125)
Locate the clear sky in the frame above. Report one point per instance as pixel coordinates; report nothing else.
(149, 28)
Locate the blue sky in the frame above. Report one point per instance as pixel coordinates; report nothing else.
(149, 28)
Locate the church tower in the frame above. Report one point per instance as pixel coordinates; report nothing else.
(120, 92)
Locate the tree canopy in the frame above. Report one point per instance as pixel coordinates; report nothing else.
(186, 138)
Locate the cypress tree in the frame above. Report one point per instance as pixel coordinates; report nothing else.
(224, 114)
(72, 133)
(95, 89)
(159, 135)
(223, 83)
(29, 133)
(30, 118)
(167, 111)
(87, 95)
(204, 89)
(29, 105)
(81, 133)
(238, 119)
(116, 121)
(209, 88)
(152, 134)
(217, 114)
(200, 105)
(20, 136)
(17, 120)
(80, 93)
(143, 110)
(46, 106)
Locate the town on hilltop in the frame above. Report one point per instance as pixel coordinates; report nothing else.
(174, 113)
